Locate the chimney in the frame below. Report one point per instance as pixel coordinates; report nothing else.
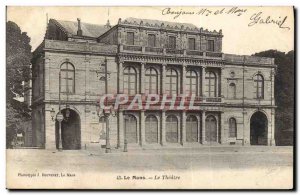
(79, 31)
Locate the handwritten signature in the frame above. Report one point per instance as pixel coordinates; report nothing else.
(258, 19)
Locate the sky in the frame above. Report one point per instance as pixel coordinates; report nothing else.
(246, 30)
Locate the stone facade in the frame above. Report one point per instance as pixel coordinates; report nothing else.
(230, 90)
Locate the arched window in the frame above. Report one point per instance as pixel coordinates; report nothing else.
(151, 81)
(172, 129)
(259, 86)
(130, 81)
(67, 78)
(211, 129)
(172, 82)
(191, 129)
(232, 127)
(191, 83)
(131, 134)
(211, 84)
(232, 91)
(151, 129)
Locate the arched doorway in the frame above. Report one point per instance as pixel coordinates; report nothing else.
(172, 129)
(70, 130)
(210, 129)
(259, 129)
(151, 129)
(131, 129)
(191, 129)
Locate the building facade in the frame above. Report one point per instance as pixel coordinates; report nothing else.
(234, 94)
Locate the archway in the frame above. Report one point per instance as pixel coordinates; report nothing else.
(191, 129)
(131, 129)
(70, 130)
(258, 129)
(151, 129)
(210, 129)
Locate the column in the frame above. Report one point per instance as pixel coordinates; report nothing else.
(222, 129)
(142, 122)
(203, 81)
(203, 127)
(183, 79)
(142, 78)
(163, 128)
(120, 77)
(183, 128)
(163, 78)
(120, 129)
(271, 129)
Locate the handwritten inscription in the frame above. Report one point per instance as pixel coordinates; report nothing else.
(204, 12)
(258, 18)
(154, 177)
(254, 18)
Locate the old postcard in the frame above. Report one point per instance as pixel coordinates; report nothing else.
(150, 97)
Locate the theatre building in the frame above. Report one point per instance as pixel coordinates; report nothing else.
(234, 93)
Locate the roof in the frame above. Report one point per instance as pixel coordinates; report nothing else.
(89, 30)
(159, 23)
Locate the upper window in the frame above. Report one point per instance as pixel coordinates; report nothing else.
(130, 38)
(211, 45)
(192, 45)
(191, 83)
(151, 40)
(232, 91)
(259, 86)
(172, 42)
(130, 81)
(151, 81)
(211, 82)
(67, 78)
(232, 128)
(172, 82)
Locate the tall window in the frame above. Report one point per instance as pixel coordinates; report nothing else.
(211, 45)
(259, 86)
(172, 82)
(211, 81)
(151, 129)
(67, 78)
(172, 42)
(151, 81)
(191, 83)
(232, 128)
(130, 38)
(232, 91)
(151, 40)
(172, 129)
(192, 45)
(130, 81)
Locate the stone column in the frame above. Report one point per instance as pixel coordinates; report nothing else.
(183, 79)
(271, 129)
(120, 77)
(183, 128)
(142, 78)
(203, 116)
(222, 129)
(163, 128)
(142, 122)
(163, 78)
(120, 129)
(203, 82)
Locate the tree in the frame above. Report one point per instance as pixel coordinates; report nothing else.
(18, 56)
(284, 89)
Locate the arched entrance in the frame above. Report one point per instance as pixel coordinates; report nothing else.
(70, 130)
(131, 129)
(172, 129)
(151, 129)
(191, 129)
(210, 129)
(259, 129)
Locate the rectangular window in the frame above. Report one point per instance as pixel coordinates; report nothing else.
(130, 38)
(172, 42)
(192, 44)
(211, 45)
(151, 40)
